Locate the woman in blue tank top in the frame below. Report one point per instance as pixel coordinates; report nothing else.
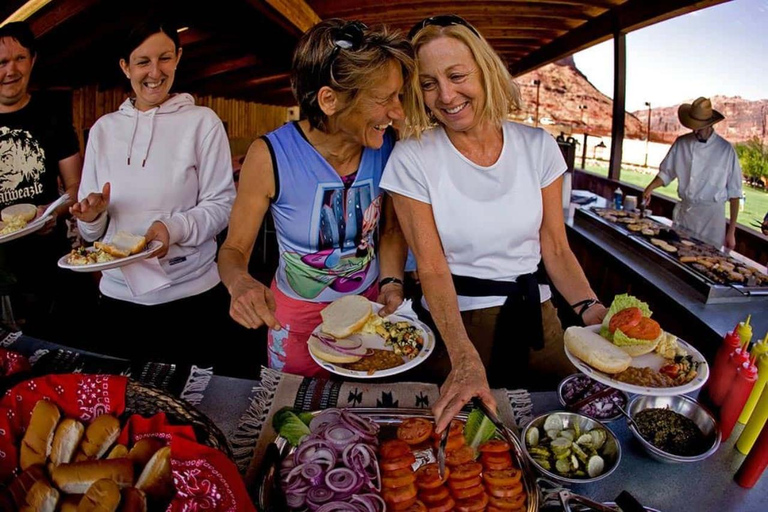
(319, 177)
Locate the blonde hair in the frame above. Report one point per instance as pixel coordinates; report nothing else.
(502, 95)
(351, 71)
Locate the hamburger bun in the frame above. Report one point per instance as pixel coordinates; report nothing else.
(345, 316)
(596, 351)
(38, 439)
(641, 350)
(42, 497)
(102, 496)
(24, 211)
(122, 244)
(66, 440)
(99, 436)
(327, 353)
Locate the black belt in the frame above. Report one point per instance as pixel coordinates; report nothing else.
(520, 315)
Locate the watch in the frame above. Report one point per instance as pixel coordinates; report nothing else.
(388, 280)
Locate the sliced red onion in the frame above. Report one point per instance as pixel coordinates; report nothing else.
(313, 473)
(370, 502)
(322, 420)
(362, 425)
(295, 500)
(340, 436)
(316, 496)
(333, 343)
(338, 506)
(358, 456)
(342, 480)
(316, 451)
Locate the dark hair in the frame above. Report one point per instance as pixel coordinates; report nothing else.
(21, 32)
(343, 56)
(143, 31)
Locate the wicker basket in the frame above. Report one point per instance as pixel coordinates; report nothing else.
(147, 401)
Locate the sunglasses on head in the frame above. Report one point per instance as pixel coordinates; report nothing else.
(350, 37)
(443, 20)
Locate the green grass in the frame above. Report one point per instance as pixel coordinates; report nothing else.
(751, 217)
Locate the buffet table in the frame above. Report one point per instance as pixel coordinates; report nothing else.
(703, 486)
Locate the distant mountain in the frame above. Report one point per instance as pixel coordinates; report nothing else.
(744, 119)
(564, 91)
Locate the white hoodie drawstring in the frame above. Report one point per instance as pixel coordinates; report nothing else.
(133, 135)
(149, 142)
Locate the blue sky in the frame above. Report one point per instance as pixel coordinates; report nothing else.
(720, 50)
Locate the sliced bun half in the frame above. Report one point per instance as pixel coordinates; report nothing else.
(24, 211)
(346, 316)
(641, 350)
(596, 351)
(327, 353)
(122, 244)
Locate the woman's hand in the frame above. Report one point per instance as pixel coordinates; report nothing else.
(466, 381)
(391, 296)
(253, 304)
(92, 206)
(158, 231)
(594, 315)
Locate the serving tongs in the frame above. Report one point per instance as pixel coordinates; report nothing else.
(511, 439)
(567, 497)
(441, 453)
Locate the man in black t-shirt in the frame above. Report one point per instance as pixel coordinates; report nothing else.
(38, 153)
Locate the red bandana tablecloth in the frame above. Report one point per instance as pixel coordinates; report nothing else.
(205, 478)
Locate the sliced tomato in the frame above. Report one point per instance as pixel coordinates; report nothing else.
(494, 446)
(625, 319)
(466, 470)
(458, 457)
(399, 494)
(513, 503)
(456, 429)
(399, 463)
(462, 494)
(402, 506)
(496, 461)
(398, 478)
(444, 506)
(436, 495)
(475, 504)
(393, 449)
(505, 492)
(502, 478)
(465, 484)
(416, 507)
(454, 443)
(415, 430)
(428, 476)
(646, 329)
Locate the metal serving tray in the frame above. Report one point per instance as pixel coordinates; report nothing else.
(269, 497)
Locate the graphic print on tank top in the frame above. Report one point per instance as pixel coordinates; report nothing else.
(22, 166)
(343, 226)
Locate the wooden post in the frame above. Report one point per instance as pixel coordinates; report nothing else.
(619, 100)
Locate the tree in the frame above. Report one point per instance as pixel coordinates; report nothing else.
(753, 157)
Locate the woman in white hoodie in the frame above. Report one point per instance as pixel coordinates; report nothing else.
(159, 167)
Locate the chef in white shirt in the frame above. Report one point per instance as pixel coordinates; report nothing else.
(708, 174)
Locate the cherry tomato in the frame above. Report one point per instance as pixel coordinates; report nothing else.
(398, 463)
(393, 449)
(502, 478)
(415, 430)
(625, 319)
(436, 495)
(671, 370)
(427, 476)
(398, 478)
(474, 504)
(646, 329)
(460, 456)
(466, 470)
(494, 446)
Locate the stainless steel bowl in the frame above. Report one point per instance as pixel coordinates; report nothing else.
(687, 407)
(577, 376)
(611, 451)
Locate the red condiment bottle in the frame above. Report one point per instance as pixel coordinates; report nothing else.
(755, 463)
(722, 387)
(729, 344)
(746, 376)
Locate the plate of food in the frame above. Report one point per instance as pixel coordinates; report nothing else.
(355, 341)
(19, 220)
(386, 459)
(123, 249)
(631, 352)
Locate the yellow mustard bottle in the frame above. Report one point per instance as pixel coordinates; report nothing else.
(759, 414)
(758, 351)
(745, 332)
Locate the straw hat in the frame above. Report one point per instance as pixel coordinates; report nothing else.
(699, 114)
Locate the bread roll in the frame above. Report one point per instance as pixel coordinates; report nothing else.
(640, 350)
(122, 244)
(42, 497)
(346, 315)
(157, 480)
(67, 438)
(102, 496)
(327, 353)
(143, 450)
(118, 452)
(69, 502)
(24, 211)
(77, 477)
(99, 436)
(134, 500)
(596, 351)
(36, 444)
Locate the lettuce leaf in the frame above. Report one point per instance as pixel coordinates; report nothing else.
(620, 302)
(290, 426)
(478, 428)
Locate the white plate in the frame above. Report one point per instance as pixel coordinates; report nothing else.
(29, 228)
(376, 341)
(152, 248)
(653, 361)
